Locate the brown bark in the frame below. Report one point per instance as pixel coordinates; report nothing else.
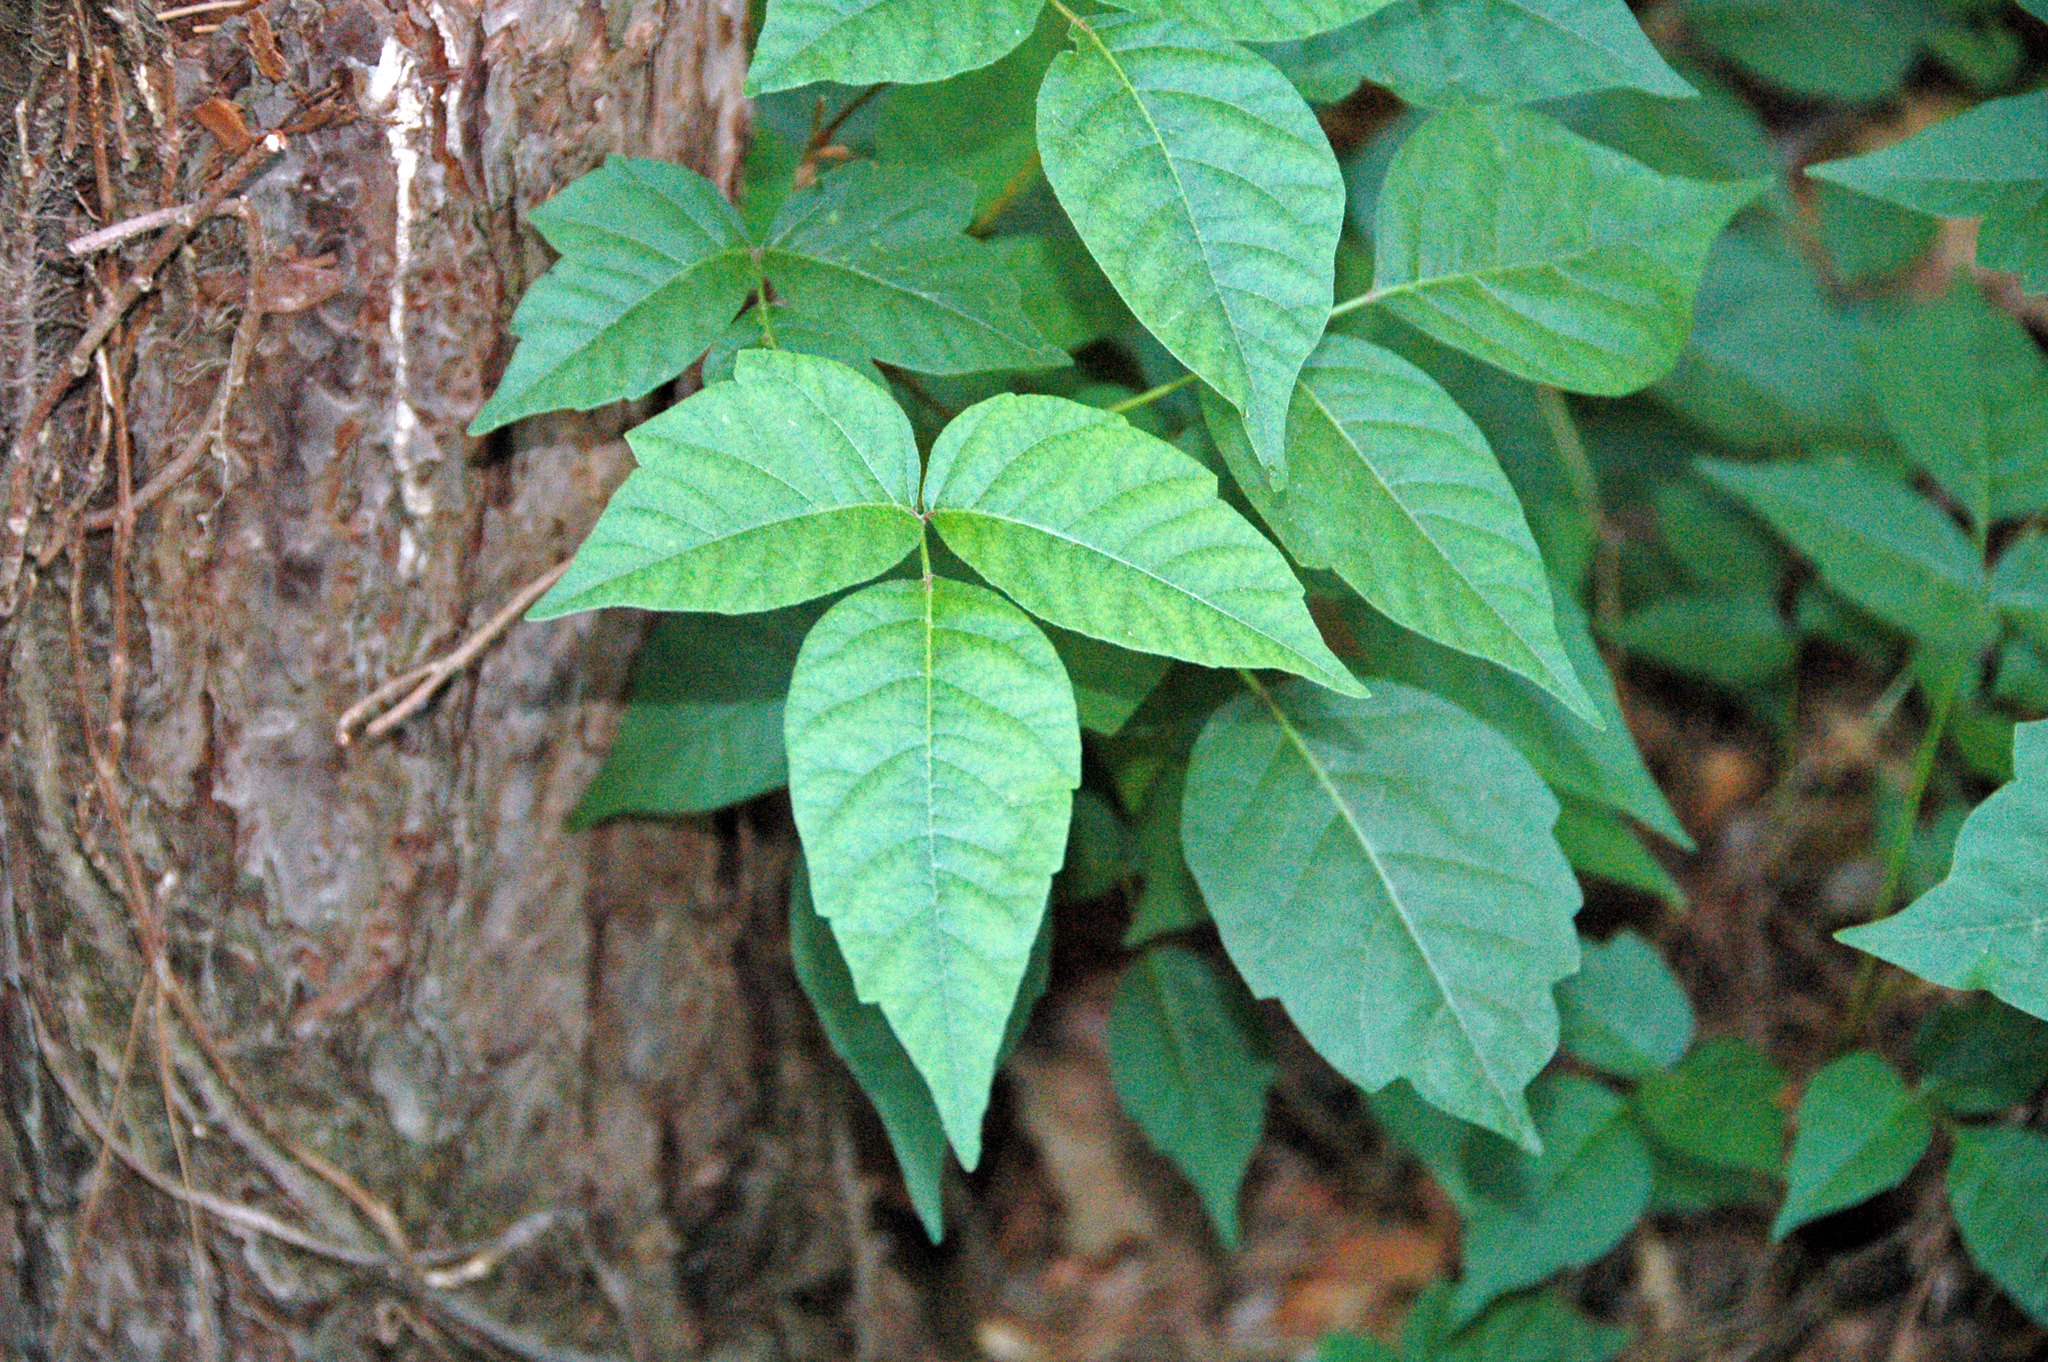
(447, 1079)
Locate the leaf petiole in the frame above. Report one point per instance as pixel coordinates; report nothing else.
(1150, 395)
(1363, 300)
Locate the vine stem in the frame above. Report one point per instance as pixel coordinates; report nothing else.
(1867, 991)
(1150, 395)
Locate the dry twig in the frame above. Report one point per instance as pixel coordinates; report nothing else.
(14, 528)
(429, 677)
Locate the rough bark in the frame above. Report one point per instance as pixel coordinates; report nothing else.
(512, 1090)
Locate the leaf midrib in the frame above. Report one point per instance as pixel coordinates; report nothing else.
(935, 301)
(1400, 907)
(1139, 568)
(1181, 194)
(1415, 522)
(1489, 273)
(654, 559)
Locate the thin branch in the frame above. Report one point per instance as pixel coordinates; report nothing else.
(430, 677)
(207, 7)
(234, 1213)
(114, 233)
(15, 525)
(213, 427)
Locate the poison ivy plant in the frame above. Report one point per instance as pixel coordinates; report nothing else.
(1032, 519)
(1188, 1055)
(1449, 53)
(1624, 1012)
(1385, 470)
(1996, 1182)
(1989, 163)
(1384, 867)
(1533, 1327)
(860, 1034)
(1220, 233)
(1884, 547)
(1564, 1208)
(1982, 926)
(1593, 294)
(1860, 1133)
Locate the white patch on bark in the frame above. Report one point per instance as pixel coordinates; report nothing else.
(392, 84)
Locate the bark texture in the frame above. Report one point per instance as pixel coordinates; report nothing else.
(444, 1078)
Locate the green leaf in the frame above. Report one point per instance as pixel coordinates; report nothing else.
(1065, 293)
(1989, 163)
(1534, 1327)
(932, 748)
(1354, 1348)
(1385, 868)
(976, 125)
(1874, 540)
(782, 324)
(704, 728)
(1997, 1184)
(881, 253)
(860, 1036)
(1869, 240)
(2019, 588)
(1734, 641)
(1978, 1057)
(1553, 257)
(1599, 843)
(1259, 20)
(1716, 136)
(1574, 1202)
(1170, 900)
(1720, 544)
(1188, 1056)
(860, 42)
(1100, 852)
(1686, 1186)
(1719, 1106)
(1771, 361)
(2022, 678)
(1860, 1133)
(1109, 682)
(1965, 389)
(1624, 1011)
(654, 264)
(1841, 49)
(1598, 765)
(1395, 489)
(794, 481)
(1450, 53)
(1104, 530)
(1521, 424)
(1205, 189)
(1982, 927)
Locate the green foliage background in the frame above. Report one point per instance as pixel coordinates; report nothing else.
(1094, 389)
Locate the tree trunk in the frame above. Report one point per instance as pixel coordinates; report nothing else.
(328, 1051)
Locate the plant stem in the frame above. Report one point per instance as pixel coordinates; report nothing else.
(1012, 190)
(1866, 991)
(1578, 466)
(1149, 396)
(822, 137)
